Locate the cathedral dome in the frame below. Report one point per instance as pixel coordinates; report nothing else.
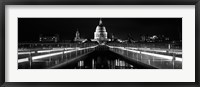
(100, 27)
(100, 34)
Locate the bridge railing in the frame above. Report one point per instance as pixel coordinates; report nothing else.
(52, 45)
(149, 45)
(158, 60)
(44, 58)
(159, 48)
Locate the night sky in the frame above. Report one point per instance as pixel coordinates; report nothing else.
(29, 29)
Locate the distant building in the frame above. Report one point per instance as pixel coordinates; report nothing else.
(112, 38)
(78, 38)
(143, 38)
(130, 38)
(154, 38)
(50, 38)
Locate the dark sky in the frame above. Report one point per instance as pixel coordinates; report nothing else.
(31, 28)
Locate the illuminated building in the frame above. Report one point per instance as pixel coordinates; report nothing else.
(154, 38)
(143, 38)
(100, 35)
(78, 38)
(52, 38)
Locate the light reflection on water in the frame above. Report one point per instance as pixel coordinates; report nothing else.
(103, 63)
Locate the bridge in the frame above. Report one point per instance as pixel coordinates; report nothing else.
(95, 56)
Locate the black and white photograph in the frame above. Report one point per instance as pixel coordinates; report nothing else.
(99, 43)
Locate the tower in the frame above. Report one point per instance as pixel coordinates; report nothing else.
(77, 37)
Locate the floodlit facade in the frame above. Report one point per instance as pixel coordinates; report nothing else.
(100, 34)
(78, 38)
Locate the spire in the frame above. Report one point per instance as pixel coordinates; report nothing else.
(77, 30)
(77, 34)
(100, 22)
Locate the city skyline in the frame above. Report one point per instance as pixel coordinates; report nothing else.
(31, 28)
(89, 43)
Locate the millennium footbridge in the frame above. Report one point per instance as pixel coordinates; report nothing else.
(96, 56)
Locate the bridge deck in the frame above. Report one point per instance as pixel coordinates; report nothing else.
(102, 57)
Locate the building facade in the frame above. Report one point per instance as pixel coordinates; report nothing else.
(78, 38)
(50, 38)
(100, 34)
